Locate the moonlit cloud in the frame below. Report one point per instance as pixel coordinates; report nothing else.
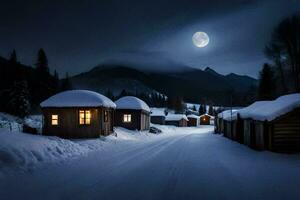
(78, 35)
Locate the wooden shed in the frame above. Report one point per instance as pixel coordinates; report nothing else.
(205, 119)
(179, 120)
(193, 120)
(273, 125)
(77, 114)
(132, 113)
(158, 116)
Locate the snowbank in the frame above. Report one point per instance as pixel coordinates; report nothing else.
(270, 110)
(20, 150)
(78, 98)
(24, 151)
(130, 102)
(176, 117)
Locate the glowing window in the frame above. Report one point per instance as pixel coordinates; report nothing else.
(85, 117)
(127, 118)
(54, 120)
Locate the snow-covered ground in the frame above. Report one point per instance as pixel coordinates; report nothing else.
(180, 163)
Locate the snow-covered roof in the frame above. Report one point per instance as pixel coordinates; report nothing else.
(226, 115)
(206, 115)
(130, 102)
(270, 110)
(193, 116)
(250, 110)
(78, 98)
(176, 117)
(157, 112)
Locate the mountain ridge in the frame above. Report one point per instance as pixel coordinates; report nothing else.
(193, 84)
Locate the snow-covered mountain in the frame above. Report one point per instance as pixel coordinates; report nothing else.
(193, 84)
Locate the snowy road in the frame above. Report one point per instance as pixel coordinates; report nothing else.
(188, 165)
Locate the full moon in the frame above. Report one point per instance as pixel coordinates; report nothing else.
(200, 39)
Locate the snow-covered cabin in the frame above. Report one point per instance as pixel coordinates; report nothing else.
(194, 120)
(132, 113)
(205, 119)
(221, 119)
(158, 116)
(273, 125)
(78, 114)
(265, 125)
(176, 120)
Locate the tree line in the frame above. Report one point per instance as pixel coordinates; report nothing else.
(23, 88)
(282, 74)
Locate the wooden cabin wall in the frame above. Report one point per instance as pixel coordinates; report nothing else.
(192, 122)
(247, 130)
(158, 119)
(140, 120)
(106, 127)
(239, 130)
(68, 123)
(183, 123)
(259, 131)
(145, 121)
(173, 123)
(285, 133)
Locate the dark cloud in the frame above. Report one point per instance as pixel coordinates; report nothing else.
(78, 35)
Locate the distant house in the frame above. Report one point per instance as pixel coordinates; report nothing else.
(78, 114)
(176, 120)
(157, 116)
(194, 120)
(205, 119)
(132, 113)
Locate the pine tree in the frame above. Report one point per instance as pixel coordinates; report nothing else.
(19, 103)
(13, 57)
(266, 86)
(202, 109)
(123, 93)
(66, 83)
(42, 62)
(179, 105)
(211, 110)
(55, 81)
(109, 94)
(194, 108)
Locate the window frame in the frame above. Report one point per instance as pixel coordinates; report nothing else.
(52, 120)
(127, 116)
(85, 119)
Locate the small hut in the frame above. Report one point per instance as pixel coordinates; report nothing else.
(193, 120)
(205, 119)
(132, 113)
(157, 116)
(273, 125)
(77, 114)
(179, 120)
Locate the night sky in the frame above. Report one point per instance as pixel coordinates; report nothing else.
(77, 35)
